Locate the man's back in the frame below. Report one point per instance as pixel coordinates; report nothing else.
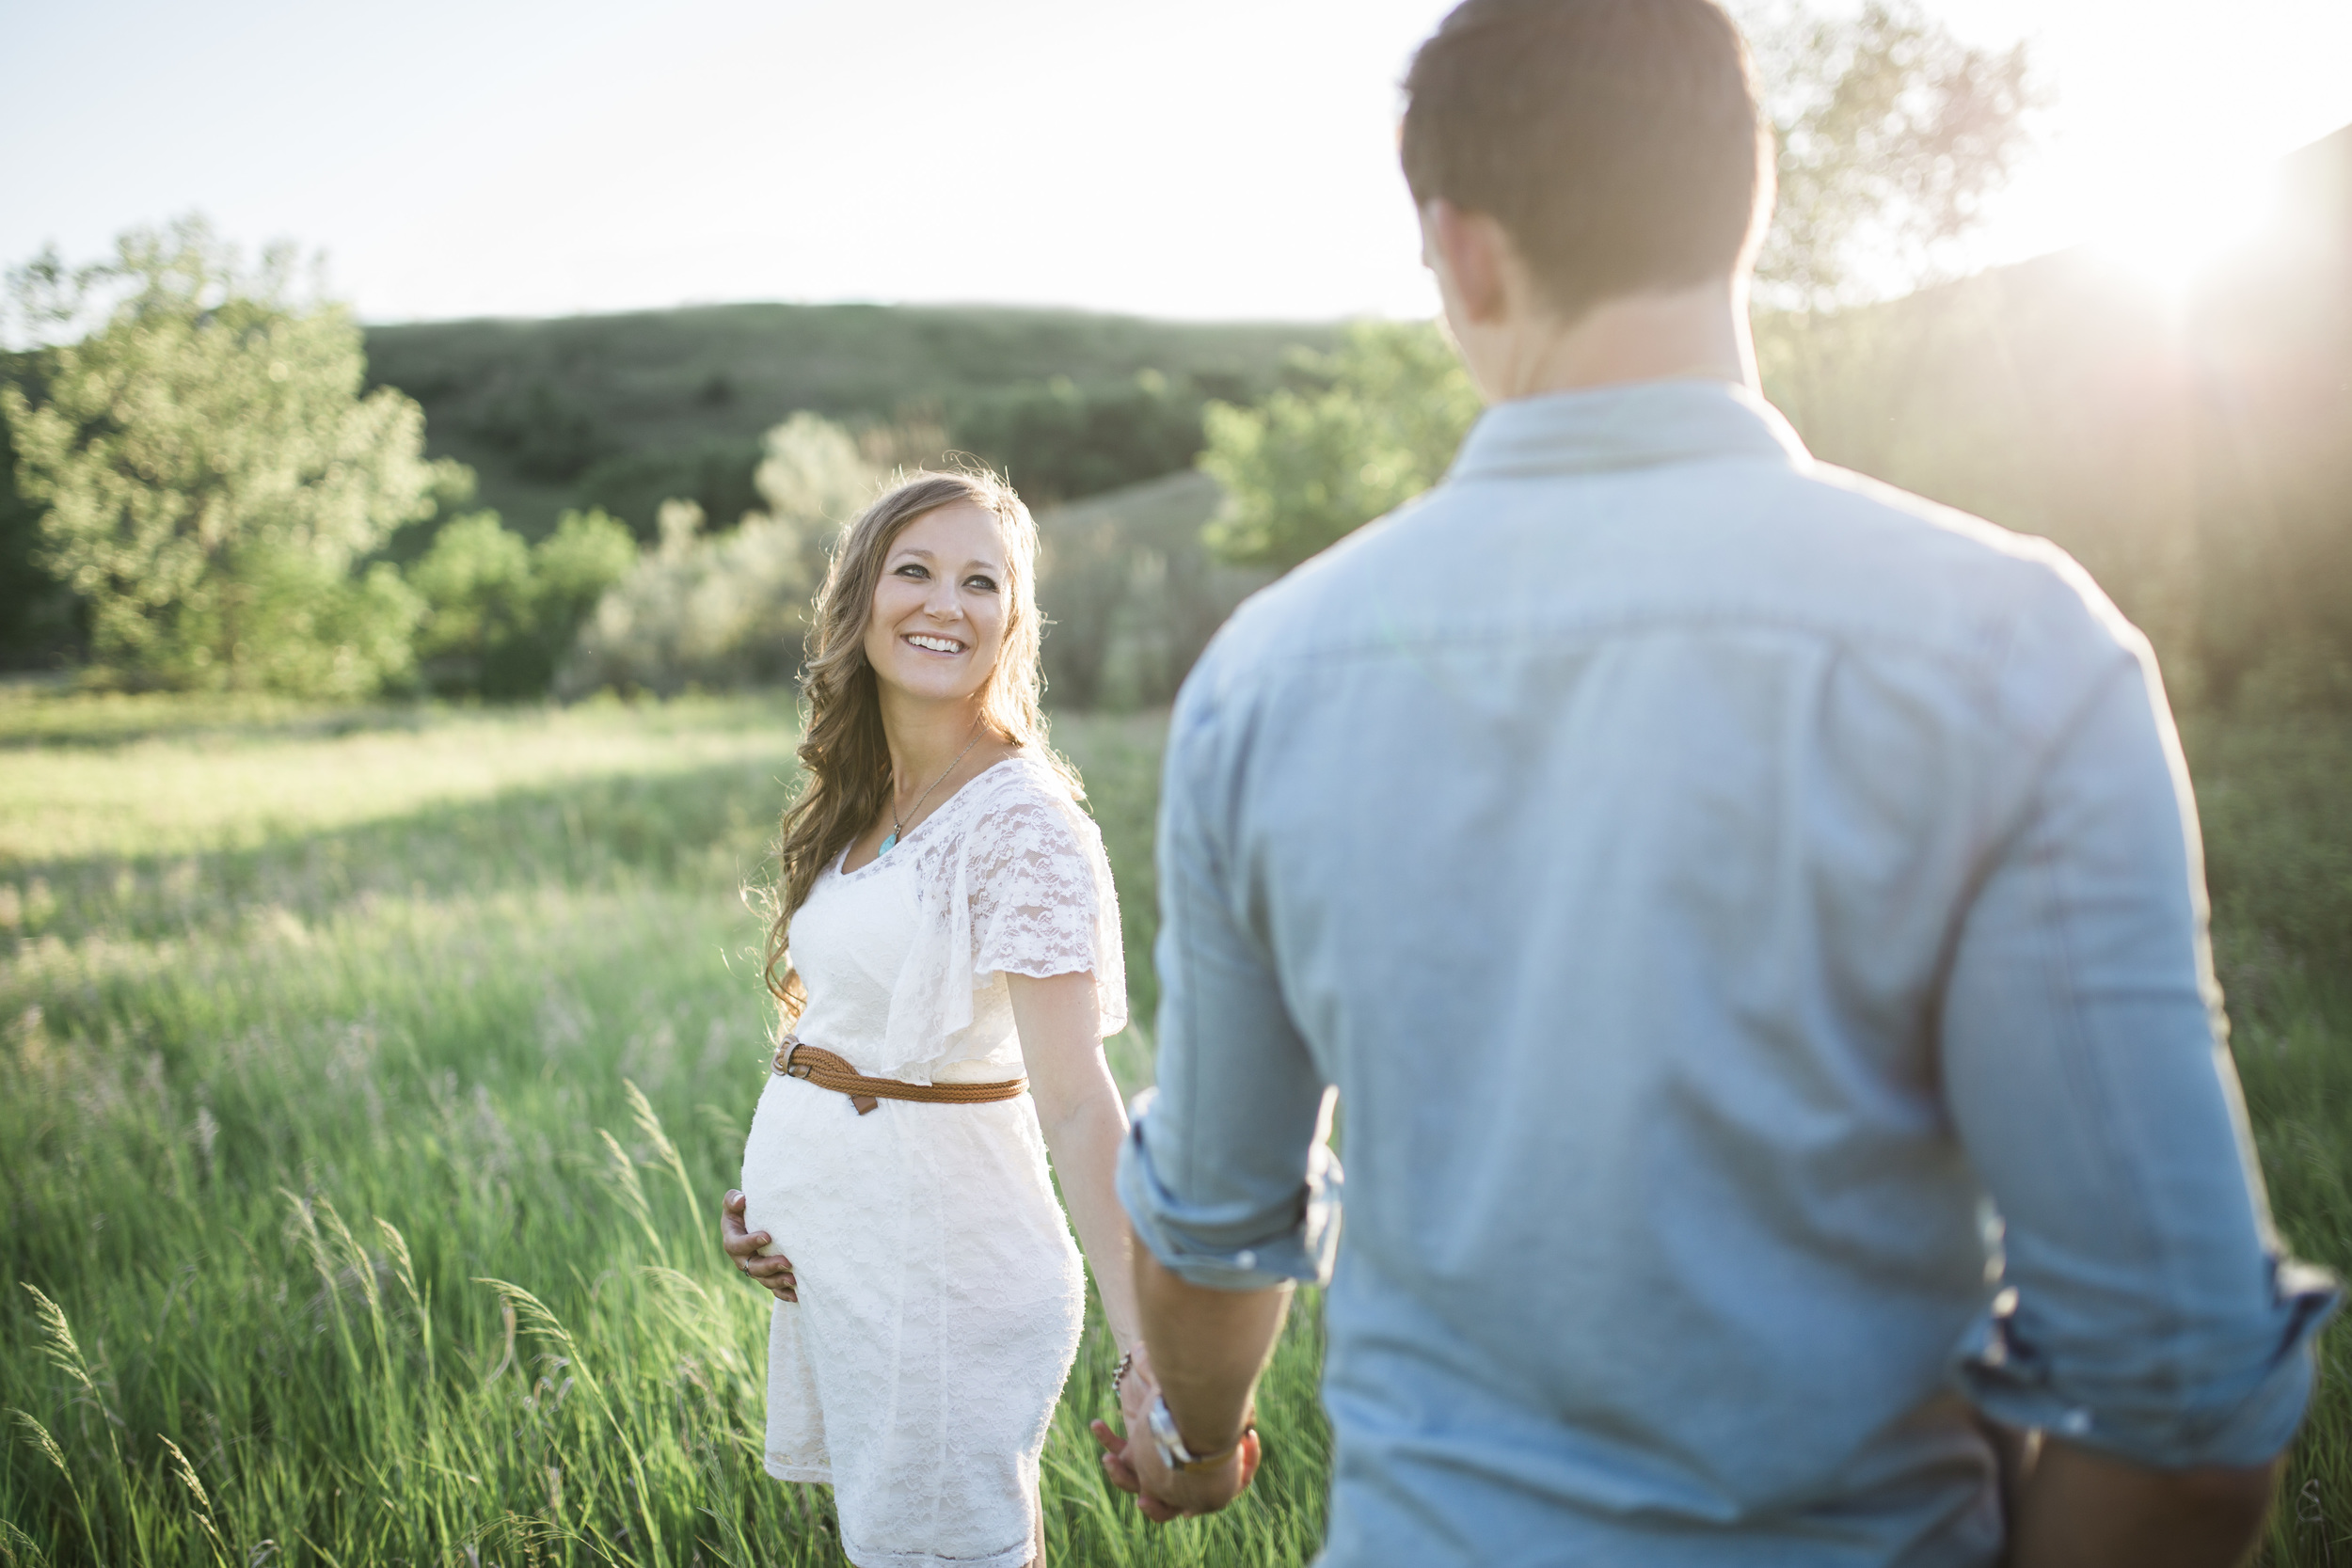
(1704, 878)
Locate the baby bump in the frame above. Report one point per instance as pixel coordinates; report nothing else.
(800, 1185)
(909, 1181)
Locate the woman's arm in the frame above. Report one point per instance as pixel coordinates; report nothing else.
(1078, 1108)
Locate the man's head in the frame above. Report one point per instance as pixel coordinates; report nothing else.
(1617, 143)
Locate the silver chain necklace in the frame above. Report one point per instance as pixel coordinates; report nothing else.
(895, 826)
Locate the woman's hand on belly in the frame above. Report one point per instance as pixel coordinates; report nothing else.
(774, 1274)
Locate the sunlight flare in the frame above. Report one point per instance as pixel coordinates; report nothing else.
(2169, 232)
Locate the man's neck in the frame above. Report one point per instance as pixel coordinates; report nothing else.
(1699, 333)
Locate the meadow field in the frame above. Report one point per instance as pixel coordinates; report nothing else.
(370, 1077)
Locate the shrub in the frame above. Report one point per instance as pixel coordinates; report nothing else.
(1305, 468)
(728, 609)
(499, 613)
(715, 612)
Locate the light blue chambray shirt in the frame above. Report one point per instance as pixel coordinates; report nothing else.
(1718, 886)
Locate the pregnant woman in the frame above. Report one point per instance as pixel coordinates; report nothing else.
(946, 959)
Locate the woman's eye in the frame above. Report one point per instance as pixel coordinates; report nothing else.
(912, 570)
(986, 585)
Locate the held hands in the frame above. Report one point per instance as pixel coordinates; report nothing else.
(773, 1274)
(1134, 1464)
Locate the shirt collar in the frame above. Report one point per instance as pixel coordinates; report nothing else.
(1629, 425)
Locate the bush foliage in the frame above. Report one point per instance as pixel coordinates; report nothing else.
(500, 613)
(726, 609)
(1382, 419)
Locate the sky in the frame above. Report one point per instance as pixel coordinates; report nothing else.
(1214, 159)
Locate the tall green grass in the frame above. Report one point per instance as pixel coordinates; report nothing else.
(2278, 820)
(367, 1085)
(369, 1079)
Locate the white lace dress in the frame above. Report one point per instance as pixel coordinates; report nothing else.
(941, 1295)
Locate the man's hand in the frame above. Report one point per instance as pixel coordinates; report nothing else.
(1191, 1493)
(1133, 1461)
(1210, 1345)
(773, 1274)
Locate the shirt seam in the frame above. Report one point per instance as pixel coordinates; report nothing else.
(1500, 468)
(1973, 665)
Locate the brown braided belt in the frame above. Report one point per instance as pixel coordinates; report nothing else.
(796, 1059)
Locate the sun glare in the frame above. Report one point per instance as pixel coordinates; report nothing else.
(2168, 234)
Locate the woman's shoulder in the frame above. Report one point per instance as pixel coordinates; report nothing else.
(1028, 793)
(1024, 779)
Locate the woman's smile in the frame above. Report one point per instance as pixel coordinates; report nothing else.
(935, 643)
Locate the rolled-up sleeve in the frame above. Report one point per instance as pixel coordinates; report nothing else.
(1226, 1176)
(2145, 1308)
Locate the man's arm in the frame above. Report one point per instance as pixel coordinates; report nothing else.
(2076, 1508)
(1226, 1179)
(1209, 1347)
(2147, 1324)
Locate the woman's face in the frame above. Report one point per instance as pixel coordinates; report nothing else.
(938, 606)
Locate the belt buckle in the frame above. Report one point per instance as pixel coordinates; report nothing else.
(784, 1064)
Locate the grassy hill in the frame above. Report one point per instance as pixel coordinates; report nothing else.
(610, 409)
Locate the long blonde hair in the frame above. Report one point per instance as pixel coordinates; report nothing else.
(844, 755)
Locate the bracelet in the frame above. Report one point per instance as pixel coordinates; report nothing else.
(1120, 1376)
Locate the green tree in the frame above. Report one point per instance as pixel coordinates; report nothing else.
(1306, 466)
(500, 612)
(40, 624)
(1891, 134)
(586, 555)
(812, 472)
(812, 479)
(210, 473)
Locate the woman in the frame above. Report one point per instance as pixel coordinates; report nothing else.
(945, 927)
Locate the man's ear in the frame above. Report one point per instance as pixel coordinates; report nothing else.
(1466, 249)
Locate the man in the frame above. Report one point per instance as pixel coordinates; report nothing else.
(1753, 920)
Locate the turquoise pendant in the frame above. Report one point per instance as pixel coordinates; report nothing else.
(886, 844)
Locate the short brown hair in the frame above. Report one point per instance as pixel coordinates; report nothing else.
(1617, 142)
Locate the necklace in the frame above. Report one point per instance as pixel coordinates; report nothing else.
(895, 826)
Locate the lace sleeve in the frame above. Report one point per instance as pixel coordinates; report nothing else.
(1042, 898)
(1025, 890)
